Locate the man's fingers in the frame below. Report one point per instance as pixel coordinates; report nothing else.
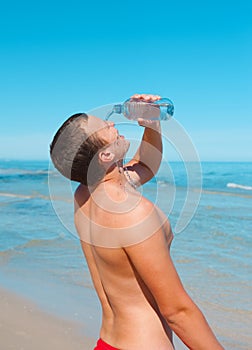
(146, 97)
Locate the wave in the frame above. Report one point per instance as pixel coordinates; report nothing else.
(19, 248)
(212, 191)
(23, 196)
(12, 174)
(39, 242)
(16, 171)
(15, 195)
(20, 196)
(242, 187)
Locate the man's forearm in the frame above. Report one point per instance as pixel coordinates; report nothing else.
(151, 148)
(192, 328)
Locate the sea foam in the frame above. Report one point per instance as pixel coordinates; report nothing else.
(243, 187)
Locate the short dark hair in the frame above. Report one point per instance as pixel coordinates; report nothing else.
(72, 151)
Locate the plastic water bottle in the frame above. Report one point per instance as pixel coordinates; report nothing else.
(133, 109)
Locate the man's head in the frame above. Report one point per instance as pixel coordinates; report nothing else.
(84, 148)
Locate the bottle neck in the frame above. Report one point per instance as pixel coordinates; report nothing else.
(117, 109)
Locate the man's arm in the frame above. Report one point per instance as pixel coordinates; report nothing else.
(152, 260)
(145, 163)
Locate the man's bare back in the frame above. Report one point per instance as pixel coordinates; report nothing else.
(131, 317)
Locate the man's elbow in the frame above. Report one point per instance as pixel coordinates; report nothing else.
(151, 168)
(178, 314)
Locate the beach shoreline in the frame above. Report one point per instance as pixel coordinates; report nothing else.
(23, 326)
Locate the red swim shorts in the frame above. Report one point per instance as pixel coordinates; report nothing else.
(101, 345)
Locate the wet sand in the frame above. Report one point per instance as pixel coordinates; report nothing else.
(24, 327)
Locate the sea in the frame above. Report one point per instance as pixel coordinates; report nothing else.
(210, 210)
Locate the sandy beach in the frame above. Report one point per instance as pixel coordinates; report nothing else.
(24, 327)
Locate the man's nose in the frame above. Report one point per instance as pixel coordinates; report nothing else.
(111, 124)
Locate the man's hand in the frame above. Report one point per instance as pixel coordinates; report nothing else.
(149, 123)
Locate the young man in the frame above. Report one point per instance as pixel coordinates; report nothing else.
(126, 238)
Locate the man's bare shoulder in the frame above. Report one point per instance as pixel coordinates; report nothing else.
(140, 223)
(143, 208)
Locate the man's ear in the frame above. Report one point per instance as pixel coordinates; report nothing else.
(106, 156)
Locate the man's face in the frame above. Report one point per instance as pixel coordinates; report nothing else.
(106, 131)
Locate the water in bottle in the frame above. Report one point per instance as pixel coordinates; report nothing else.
(133, 109)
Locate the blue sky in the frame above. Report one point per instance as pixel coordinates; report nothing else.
(58, 58)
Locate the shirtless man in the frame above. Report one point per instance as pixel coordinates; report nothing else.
(126, 238)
